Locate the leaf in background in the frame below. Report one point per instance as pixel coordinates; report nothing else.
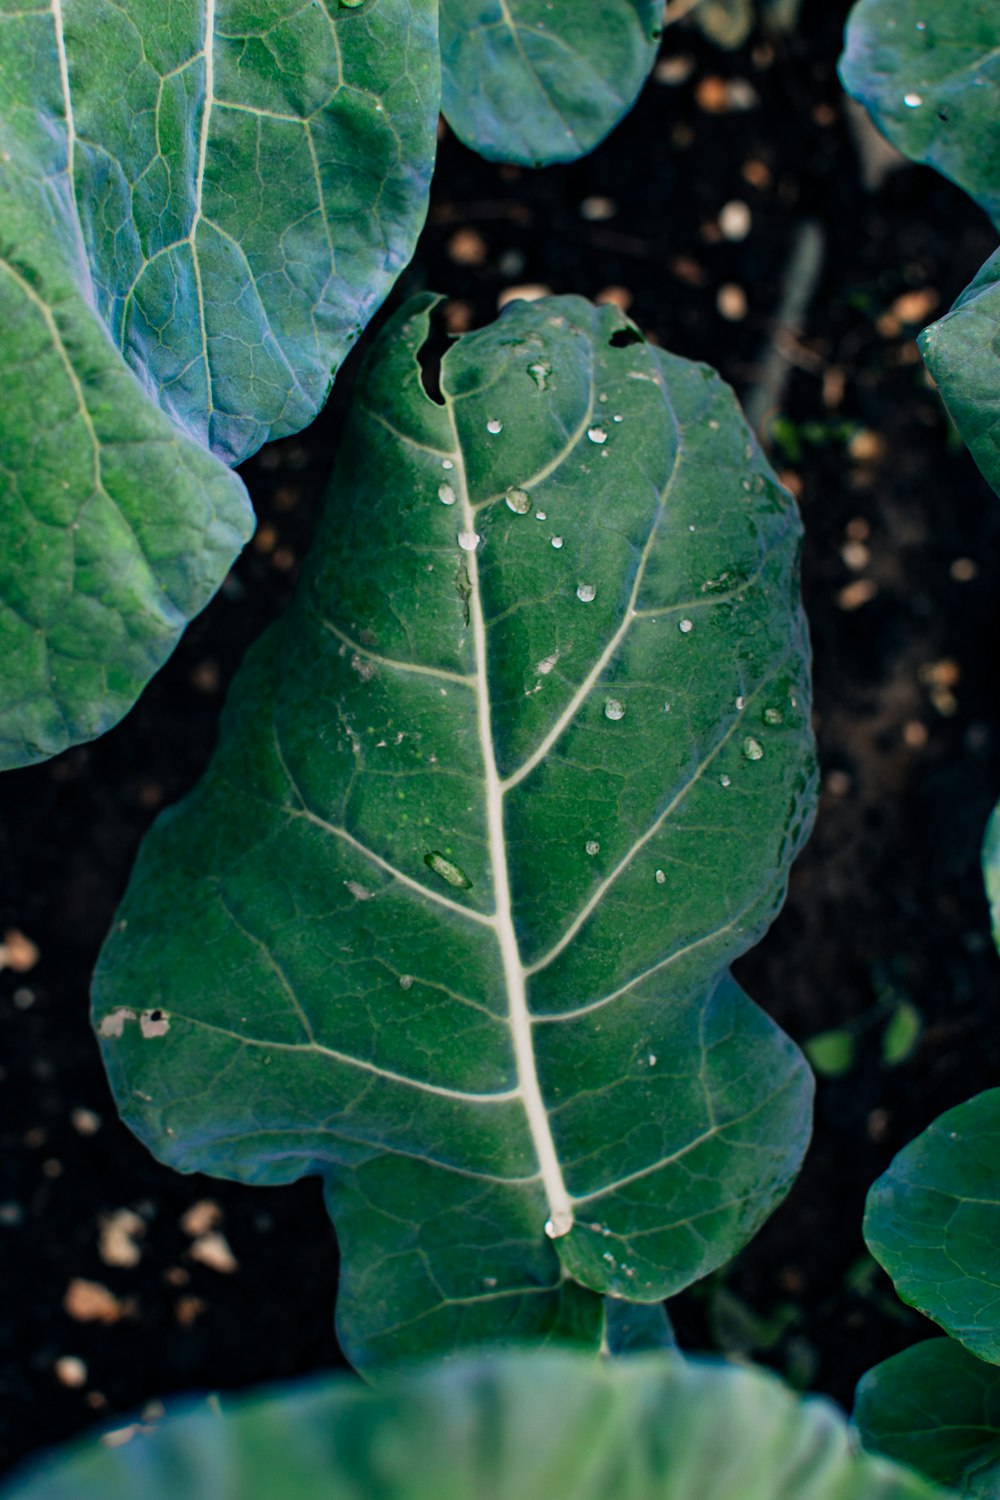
(539, 81)
(991, 872)
(831, 1052)
(201, 205)
(495, 804)
(933, 1222)
(960, 352)
(901, 1035)
(935, 1407)
(929, 75)
(527, 1427)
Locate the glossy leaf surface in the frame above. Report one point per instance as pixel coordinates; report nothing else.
(537, 81)
(933, 1221)
(929, 75)
(201, 205)
(936, 1408)
(521, 1428)
(496, 803)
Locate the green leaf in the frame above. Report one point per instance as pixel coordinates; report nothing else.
(495, 805)
(201, 205)
(991, 871)
(933, 1222)
(901, 1034)
(936, 1408)
(530, 1427)
(959, 350)
(831, 1052)
(538, 81)
(636, 1327)
(929, 75)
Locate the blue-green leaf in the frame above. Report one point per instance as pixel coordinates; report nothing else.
(495, 805)
(201, 204)
(538, 81)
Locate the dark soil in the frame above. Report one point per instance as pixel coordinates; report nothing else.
(901, 566)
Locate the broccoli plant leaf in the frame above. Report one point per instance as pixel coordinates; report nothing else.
(537, 81)
(929, 75)
(527, 1427)
(201, 204)
(960, 352)
(933, 1222)
(936, 1408)
(495, 805)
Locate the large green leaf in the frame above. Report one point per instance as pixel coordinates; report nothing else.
(935, 1407)
(961, 353)
(201, 204)
(929, 74)
(495, 805)
(538, 81)
(933, 1221)
(530, 1427)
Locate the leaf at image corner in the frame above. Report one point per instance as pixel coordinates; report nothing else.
(929, 75)
(195, 225)
(540, 81)
(495, 805)
(936, 1408)
(933, 1222)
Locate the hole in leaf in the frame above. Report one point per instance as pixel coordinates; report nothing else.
(622, 337)
(431, 352)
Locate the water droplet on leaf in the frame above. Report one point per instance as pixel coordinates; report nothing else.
(494, 425)
(468, 541)
(597, 434)
(557, 542)
(586, 592)
(613, 709)
(685, 627)
(519, 501)
(753, 749)
(773, 716)
(446, 494)
(447, 869)
(593, 847)
(661, 878)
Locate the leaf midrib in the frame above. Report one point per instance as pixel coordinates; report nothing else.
(561, 1217)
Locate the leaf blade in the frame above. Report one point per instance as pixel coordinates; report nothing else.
(525, 81)
(385, 719)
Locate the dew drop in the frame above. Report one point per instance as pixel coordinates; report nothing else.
(540, 373)
(685, 627)
(519, 501)
(446, 494)
(593, 847)
(494, 425)
(913, 101)
(586, 592)
(613, 709)
(560, 1223)
(652, 1059)
(597, 434)
(406, 981)
(618, 418)
(468, 540)
(773, 716)
(725, 780)
(540, 515)
(557, 542)
(661, 878)
(741, 703)
(446, 463)
(753, 749)
(447, 869)
(489, 1282)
